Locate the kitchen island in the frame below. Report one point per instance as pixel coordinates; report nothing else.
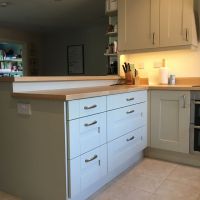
(36, 116)
(35, 142)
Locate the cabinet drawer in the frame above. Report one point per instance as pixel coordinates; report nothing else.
(87, 170)
(125, 99)
(85, 134)
(124, 120)
(123, 149)
(85, 107)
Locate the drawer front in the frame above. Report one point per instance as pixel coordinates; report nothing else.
(124, 120)
(86, 133)
(87, 169)
(125, 99)
(85, 107)
(123, 149)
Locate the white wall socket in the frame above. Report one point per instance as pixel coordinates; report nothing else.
(157, 64)
(140, 65)
(24, 108)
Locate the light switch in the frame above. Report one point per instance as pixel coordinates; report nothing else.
(24, 108)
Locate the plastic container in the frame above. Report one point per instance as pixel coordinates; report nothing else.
(163, 74)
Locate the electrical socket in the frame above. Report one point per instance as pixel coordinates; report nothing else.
(140, 65)
(157, 64)
(24, 108)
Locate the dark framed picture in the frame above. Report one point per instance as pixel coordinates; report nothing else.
(75, 59)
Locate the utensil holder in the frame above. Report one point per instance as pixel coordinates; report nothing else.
(129, 78)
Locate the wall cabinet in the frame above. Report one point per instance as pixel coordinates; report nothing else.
(170, 118)
(175, 22)
(138, 24)
(147, 24)
(100, 131)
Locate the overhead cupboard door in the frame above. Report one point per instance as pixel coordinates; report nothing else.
(138, 24)
(176, 22)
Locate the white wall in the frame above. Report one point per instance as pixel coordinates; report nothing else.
(55, 50)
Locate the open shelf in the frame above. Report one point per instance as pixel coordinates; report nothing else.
(11, 60)
(111, 34)
(111, 12)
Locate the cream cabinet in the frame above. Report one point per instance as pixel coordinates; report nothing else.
(138, 24)
(148, 24)
(170, 118)
(176, 22)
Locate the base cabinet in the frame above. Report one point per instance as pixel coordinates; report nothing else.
(87, 170)
(122, 150)
(106, 142)
(170, 118)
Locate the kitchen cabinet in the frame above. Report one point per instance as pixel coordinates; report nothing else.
(100, 132)
(175, 22)
(126, 129)
(87, 149)
(148, 24)
(138, 24)
(170, 118)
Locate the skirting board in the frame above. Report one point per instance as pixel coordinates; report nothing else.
(181, 158)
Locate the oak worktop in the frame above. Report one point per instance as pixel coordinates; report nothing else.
(57, 78)
(80, 93)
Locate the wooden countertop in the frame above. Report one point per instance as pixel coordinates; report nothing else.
(57, 78)
(71, 94)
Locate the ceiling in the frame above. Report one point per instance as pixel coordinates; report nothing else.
(44, 15)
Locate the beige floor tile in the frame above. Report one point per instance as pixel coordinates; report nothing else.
(141, 181)
(171, 190)
(187, 175)
(156, 168)
(120, 191)
(5, 196)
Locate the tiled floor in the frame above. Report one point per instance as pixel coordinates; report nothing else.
(155, 180)
(5, 196)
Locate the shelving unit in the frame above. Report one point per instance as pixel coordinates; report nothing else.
(11, 67)
(11, 62)
(112, 34)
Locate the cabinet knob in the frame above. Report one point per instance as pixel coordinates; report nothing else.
(130, 99)
(90, 124)
(184, 101)
(129, 139)
(90, 107)
(187, 34)
(130, 111)
(153, 40)
(91, 159)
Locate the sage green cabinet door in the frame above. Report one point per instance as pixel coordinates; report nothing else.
(176, 22)
(170, 118)
(138, 24)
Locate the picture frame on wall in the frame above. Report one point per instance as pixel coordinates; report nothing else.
(75, 59)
